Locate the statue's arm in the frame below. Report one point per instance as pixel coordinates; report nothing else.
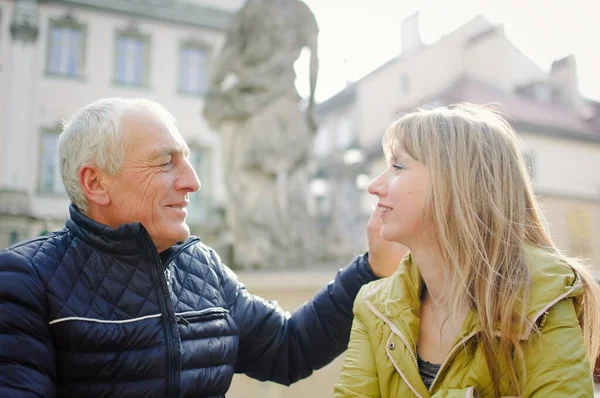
(314, 72)
(228, 54)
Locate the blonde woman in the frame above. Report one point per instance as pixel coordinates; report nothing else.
(483, 304)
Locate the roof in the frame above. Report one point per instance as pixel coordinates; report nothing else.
(525, 113)
(340, 100)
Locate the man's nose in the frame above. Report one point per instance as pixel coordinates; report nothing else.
(189, 179)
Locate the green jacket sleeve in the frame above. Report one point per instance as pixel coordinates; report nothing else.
(555, 359)
(359, 372)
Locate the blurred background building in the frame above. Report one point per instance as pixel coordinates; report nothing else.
(475, 63)
(59, 55)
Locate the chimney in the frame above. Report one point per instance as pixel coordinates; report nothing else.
(563, 78)
(411, 36)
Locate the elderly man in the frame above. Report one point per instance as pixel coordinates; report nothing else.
(124, 303)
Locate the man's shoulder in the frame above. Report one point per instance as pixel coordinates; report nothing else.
(198, 254)
(25, 256)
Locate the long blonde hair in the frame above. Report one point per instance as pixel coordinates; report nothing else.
(485, 211)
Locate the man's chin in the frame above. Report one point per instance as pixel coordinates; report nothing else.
(177, 235)
(183, 232)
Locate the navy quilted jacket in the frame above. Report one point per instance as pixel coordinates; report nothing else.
(95, 312)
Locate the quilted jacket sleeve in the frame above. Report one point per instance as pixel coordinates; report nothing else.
(284, 348)
(27, 364)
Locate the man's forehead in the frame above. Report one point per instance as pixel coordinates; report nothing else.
(169, 150)
(154, 133)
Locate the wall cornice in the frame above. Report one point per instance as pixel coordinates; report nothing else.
(165, 10)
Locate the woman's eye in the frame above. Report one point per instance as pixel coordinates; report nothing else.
(398, 166)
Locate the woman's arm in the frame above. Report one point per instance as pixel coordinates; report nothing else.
(556, 361)
(359, 373)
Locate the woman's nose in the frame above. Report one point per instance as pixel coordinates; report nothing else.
(377, 186)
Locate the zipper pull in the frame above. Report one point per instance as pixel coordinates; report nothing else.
(181, 320)
(168, 277)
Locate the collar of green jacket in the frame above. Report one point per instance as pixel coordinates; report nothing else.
(397, 299)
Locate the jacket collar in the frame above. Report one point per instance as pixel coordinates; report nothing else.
(398, 298)
(127, 239)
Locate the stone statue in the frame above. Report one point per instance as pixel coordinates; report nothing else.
(266, 138)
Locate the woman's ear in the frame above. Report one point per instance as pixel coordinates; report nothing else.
(93, 183)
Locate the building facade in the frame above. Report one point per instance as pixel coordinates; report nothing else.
(59, 55)
(475, 63)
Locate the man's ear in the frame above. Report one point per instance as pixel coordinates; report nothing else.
(93, 184)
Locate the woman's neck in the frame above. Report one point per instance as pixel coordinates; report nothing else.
(431, 268)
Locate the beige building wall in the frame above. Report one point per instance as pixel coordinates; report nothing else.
(56, 98)
(411, 78)
(494, 59)
(565, 166)
(575, 227)
(290, 290)
(478, 49)
(6, 10)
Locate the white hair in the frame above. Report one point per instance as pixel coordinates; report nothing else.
(94, 136)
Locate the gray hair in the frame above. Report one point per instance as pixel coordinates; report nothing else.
(93, 135)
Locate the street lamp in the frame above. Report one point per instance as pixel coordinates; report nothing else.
(353, 155)
(362, 181)
(319, 186)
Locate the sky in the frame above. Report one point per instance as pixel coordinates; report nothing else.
(366, 33)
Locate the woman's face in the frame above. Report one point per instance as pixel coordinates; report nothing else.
(403, 191)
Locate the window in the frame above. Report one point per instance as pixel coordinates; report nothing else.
(322, 143)
(66, 48)
(132, 58)
(543, 93)
(49, 177)
(192, 68)
(530, 163)
(13, 237)
(404, 84)
(201, 201)
(345, 135)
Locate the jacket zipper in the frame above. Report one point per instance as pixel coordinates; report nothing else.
(185, 318)
(402, 338)
(166, 307)
(449, 356)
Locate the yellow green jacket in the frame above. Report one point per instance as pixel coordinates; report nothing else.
(381, 360)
